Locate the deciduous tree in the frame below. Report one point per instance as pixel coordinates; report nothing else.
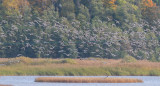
(110, 3)
(15, 6)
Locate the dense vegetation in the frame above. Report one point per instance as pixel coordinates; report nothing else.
(22, 66)
(80, 28)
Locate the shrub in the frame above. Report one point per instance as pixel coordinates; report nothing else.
(95, 58)
(21, 59)
(129, 58)
(70, 61)
(154, 73)
(25, 60)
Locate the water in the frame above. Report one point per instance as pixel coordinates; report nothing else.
(29, 81)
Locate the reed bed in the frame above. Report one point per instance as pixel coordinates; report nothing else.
(77, 67)
(87, 80)
(5, 85)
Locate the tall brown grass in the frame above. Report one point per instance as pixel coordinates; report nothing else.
(5, 85)
(87, 80)
(81, 67)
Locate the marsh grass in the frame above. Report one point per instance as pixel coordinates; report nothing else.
(68, 60)
(5, 85)
(87, 80)
(84, 67)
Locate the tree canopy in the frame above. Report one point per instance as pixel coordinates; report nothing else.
(80, 28)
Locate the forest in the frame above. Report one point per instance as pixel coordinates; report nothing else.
(110, 29)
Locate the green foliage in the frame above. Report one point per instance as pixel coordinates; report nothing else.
(153, 59)
(154, 73)
(18, 60)
(157, 2)
(67, 9)
(70, 61)
(80, 28)
(128, 58)
(25, 60)
(83, 14)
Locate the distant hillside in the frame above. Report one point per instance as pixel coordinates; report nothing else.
(80, 28)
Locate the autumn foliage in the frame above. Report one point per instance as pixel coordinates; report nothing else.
(149, 3)
(41, 4)
(15, 5)
(18, 6)
(148, 7)
(110, 3)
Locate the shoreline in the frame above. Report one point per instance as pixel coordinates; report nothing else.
(76, 75)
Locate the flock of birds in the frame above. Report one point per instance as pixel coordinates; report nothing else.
(50, 39)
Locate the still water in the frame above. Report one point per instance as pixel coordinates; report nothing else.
(29, 81)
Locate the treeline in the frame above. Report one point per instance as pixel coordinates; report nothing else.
(80, 28)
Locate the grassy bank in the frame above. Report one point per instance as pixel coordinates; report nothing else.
(77, 67)
(87, 80)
